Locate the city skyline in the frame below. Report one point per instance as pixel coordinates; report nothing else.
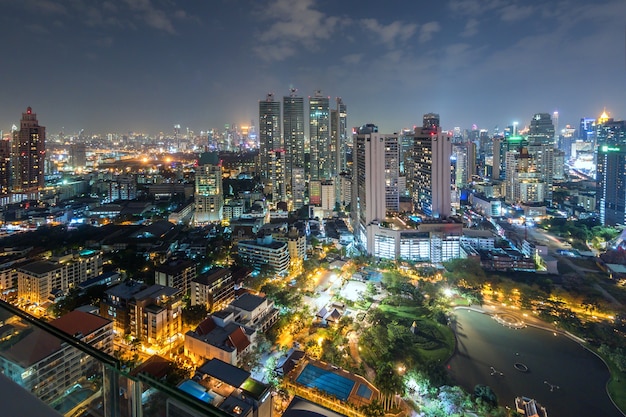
(148, 65)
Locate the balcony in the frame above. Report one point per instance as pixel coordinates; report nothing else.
(95, 386)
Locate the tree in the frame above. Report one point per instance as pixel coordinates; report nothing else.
(373, 409)
(485, 393)
(193, 315)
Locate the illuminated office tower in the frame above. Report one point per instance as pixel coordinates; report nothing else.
(430, 174)
(209, 196)
(276, 175)
(293, 133)
(586, 129)
(29, 153)
(541, 130)
(611, 184)
(269, 132)
(319, 137)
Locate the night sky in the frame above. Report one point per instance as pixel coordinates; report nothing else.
(145, 65)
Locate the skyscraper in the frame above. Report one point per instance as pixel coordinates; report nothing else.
(319, 137)
(611, 184)
(611, 170)
(430, 176)
(269, 141)
(339, 143)
(29, 152)
(293, 132)
(541, 130)
(368, 181)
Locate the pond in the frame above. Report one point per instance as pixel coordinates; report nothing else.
(559, 373)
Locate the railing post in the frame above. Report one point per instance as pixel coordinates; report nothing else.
(111, 387)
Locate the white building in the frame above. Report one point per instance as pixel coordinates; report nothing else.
(264, 251)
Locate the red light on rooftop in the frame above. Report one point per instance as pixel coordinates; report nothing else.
(29, 110)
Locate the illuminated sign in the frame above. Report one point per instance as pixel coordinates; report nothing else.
(606, 148)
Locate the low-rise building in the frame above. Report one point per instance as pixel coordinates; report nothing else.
(176, 273)
(219, 336)
(155, 314)
(255, 311)
(36, 281)
(48, 367)
(214, 288)
(232, 390)
(265, 252)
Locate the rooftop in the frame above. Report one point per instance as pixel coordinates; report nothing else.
(40, 267)
(248, 302)
(78, 322)
(225, 372)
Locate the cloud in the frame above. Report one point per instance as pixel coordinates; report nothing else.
(427, 30)
(391, 33)
(296, 24)
(471, 28)
(45, 6)
(514, 12)
(352, 59)
(152, 16)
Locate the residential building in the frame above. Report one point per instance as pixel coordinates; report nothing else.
(40, 281)
(265, 252)
(230, 389)
(270, 139)
(176, 273)
(429, 179)
(42, 364)
(293, 134)
(321, 148)
(116, 304)
(214, 288)
(29, 153)
(219, 336)
(209, 195)
(155, 314)
(254, 311)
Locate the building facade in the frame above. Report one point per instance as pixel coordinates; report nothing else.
(29, 154)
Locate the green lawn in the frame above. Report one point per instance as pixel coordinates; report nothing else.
(434, 341)
(616, 385)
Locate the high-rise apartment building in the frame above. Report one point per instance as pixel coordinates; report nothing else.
(339, 143)
(293, 133)
(29, 153)
(319, 136)
(269, 136)
(431, 175)
(5, 166)
(209, 195)
(368, 185)
(339, 128)
(374, 181)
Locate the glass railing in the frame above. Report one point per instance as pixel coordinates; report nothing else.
(77, 380)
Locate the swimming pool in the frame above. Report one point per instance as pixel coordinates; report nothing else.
(334, 384)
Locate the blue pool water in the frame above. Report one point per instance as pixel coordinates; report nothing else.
(364, 392)
(197, 390)
(327, 381)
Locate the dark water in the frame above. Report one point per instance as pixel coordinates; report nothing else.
(482, 343)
